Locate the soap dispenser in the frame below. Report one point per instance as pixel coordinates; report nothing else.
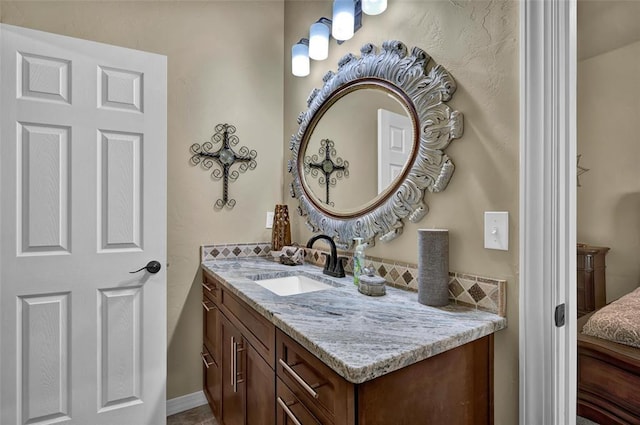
(358, 260)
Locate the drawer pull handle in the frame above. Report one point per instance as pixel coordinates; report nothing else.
(234, 364)
(207, 307)
(297, 377)
(288, 412)
(204, 360)
(208, 288)
(234, 359)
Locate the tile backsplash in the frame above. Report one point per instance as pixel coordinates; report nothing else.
(234, 250)
(484, 293)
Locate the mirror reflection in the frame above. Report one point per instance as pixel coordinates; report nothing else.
(358, 150)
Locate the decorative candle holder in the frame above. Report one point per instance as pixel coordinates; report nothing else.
(281, 231)
(433, 267)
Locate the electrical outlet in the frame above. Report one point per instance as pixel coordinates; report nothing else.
(496, 230)
(269, 224)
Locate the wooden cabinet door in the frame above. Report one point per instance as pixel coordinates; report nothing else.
(233, 401)
(260, 388)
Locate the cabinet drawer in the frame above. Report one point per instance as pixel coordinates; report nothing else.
(319, 388)
(289, 409)
(210, 287)
(260, 333)
(211, 380)
(211, 335)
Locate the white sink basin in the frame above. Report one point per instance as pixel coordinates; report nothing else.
(292, 285)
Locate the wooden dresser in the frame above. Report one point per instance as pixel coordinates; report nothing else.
(592, 288)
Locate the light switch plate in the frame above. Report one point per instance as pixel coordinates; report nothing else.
(269, 224)
(496, 230)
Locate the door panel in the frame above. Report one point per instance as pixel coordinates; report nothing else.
(44, 78)
(82, 203)
(120, 190)
(43, 355)
(119, 347)
(43, 188)
(120, 89)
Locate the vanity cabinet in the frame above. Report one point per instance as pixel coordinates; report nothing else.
(267, 378)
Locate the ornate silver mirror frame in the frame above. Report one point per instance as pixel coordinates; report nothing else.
(424, 91)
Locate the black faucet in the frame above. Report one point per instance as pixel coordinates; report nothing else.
(333, 265)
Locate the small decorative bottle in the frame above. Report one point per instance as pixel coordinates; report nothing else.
(358, 260)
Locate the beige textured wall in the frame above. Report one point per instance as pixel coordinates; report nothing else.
(225, 64)
(605, 25)
(477, 42)
(608, 127)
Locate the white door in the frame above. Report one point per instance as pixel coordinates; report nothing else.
(82, 203)
(395, 141)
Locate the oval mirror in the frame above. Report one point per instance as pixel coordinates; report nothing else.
(346, 176)
(350, 164)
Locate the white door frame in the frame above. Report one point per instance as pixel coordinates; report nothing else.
(547, 211)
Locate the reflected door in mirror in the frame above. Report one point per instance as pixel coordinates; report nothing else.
(395, 141)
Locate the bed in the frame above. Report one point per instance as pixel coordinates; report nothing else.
(608, 371)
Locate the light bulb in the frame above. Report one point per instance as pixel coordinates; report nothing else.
(319, 41)
(300, 59)
(374, 7)
(343, 19)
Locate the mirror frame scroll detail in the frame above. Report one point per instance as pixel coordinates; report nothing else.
(425, 89)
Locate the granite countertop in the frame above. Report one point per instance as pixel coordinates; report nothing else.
(359, 337)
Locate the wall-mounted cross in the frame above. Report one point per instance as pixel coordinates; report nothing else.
(581, 170)
(225, 157)
(326, 166)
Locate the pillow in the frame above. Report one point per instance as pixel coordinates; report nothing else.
(618, 322)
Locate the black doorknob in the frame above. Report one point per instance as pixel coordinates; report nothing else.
(152, 267)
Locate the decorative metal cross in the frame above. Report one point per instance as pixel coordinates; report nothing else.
(225, 157)
(327, 167)
(581, 171)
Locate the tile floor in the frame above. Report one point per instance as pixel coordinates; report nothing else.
(197, 416)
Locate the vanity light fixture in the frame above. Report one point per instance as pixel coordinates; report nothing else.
(347, 19)
(300, 58)
(374, 7)
(344, 13)
(319, 39)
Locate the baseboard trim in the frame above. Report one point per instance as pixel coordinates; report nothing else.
(185, 402)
